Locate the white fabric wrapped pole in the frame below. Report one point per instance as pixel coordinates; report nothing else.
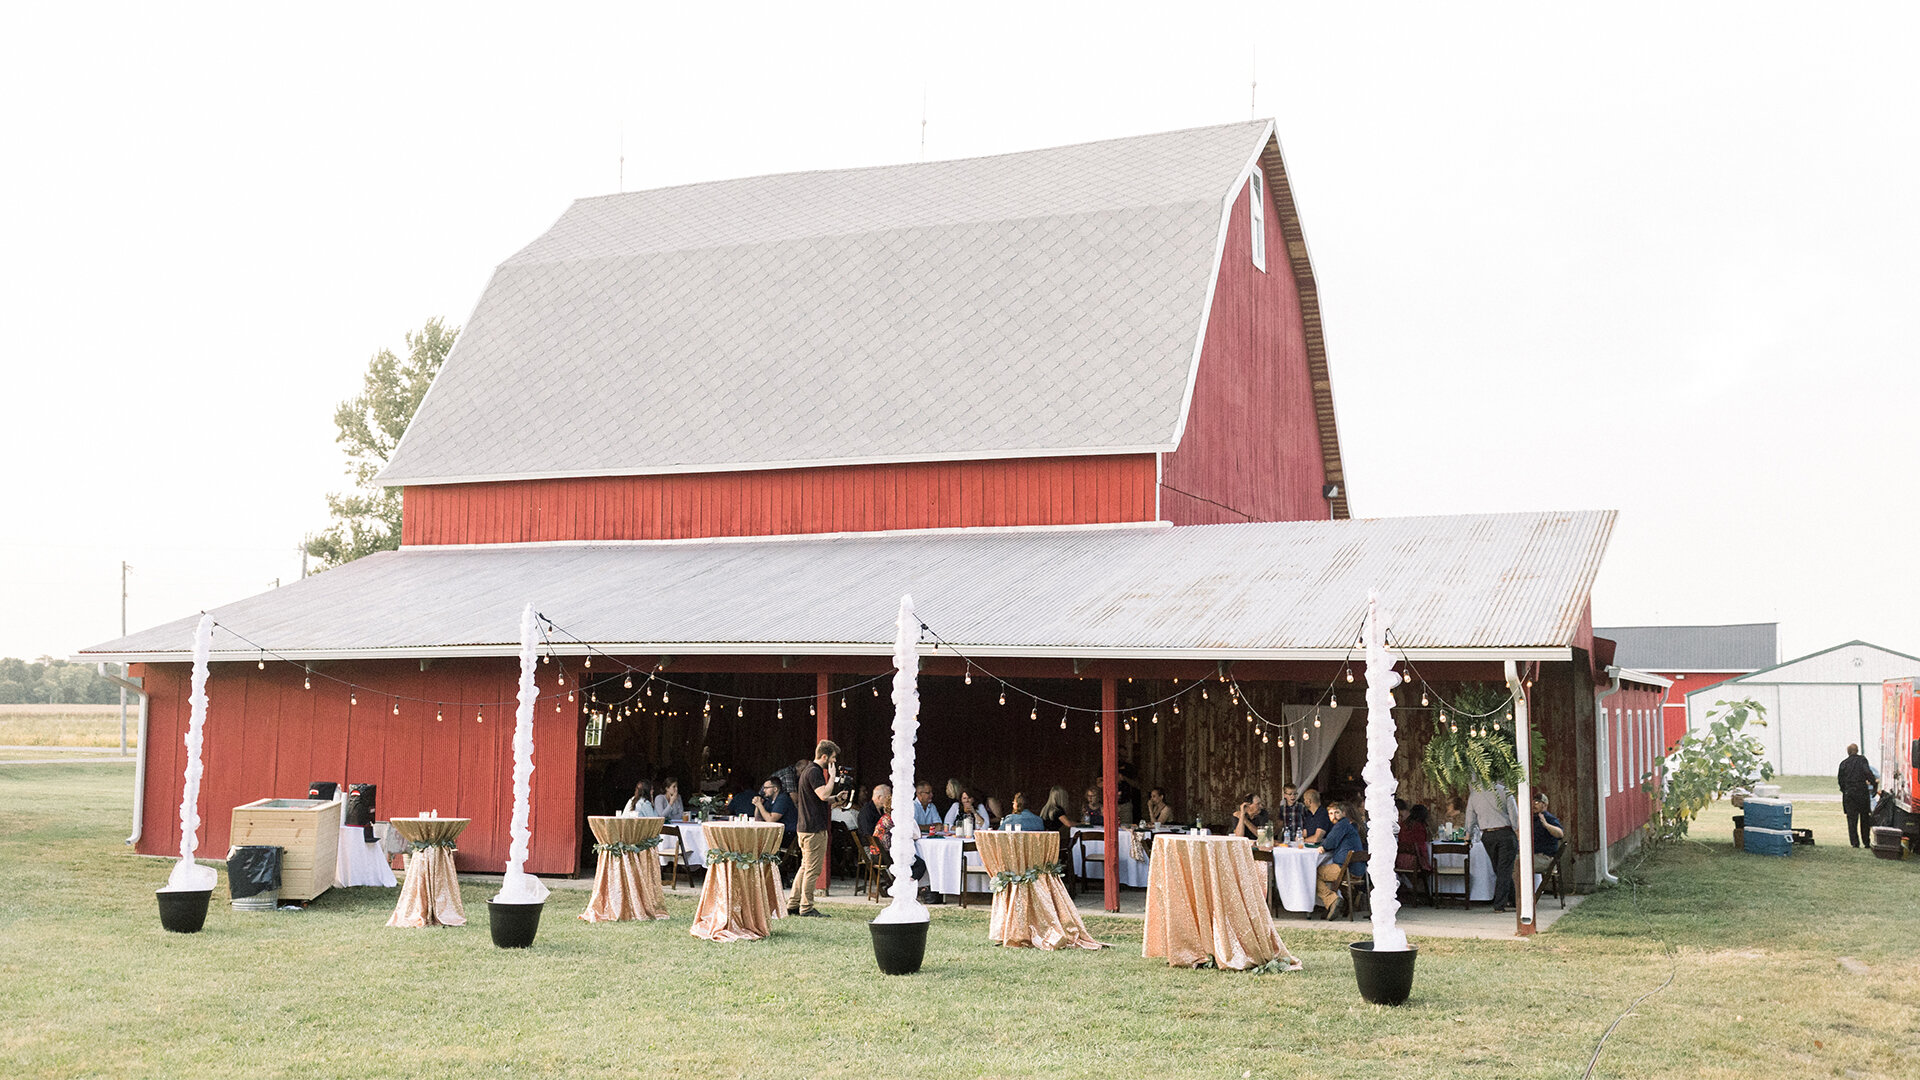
(906, 906)
(1378, 773)
(187, 875)
(520, 887)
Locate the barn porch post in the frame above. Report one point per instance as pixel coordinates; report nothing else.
(1523, 828)
(821, 726)
(1110, 787)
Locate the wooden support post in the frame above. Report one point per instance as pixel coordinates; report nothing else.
(1110, 786)
(821, 727)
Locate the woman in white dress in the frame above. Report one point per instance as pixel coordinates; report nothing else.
(641, 805)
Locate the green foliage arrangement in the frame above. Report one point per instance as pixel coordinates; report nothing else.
(1475, 745)
(367, 519)
(1705, 765)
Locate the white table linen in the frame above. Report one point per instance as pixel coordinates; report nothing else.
(942, 854)
(1133, 872)
(1294, 873)
(357, 862)
(694, 836)
(1479, 868)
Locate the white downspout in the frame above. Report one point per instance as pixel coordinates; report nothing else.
(1605, 755)
(1523, 827)
(139, 763)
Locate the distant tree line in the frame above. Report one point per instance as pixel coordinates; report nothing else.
(47, 681)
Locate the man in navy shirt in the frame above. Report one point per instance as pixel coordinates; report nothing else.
(775, 805)
(1546, 834)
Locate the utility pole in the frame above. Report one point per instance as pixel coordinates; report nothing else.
(303, 556)
(123, 633)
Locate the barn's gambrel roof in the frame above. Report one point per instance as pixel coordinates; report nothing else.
(1031, 304)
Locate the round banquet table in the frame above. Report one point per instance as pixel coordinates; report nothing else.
(1037, 913)
(1479, 869)
(944, 855)
(739, 901)
(626, 884)
(431, 895)
(1207, 900)
(693, 837)
(1294, 870)
(1133, 872)
(357, 862)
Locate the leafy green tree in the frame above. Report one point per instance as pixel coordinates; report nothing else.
(1706, 765)
(367, 519)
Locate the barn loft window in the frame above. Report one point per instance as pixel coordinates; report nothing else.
(1257, 200)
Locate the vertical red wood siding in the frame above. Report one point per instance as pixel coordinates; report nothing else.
(1251, 451)
(1633, 748)
(266, 736)
(1674, 707)
(780, 502)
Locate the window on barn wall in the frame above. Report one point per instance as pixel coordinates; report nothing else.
(596, 728)
(1257, 200)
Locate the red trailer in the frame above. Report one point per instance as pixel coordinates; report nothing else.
(1899, 755)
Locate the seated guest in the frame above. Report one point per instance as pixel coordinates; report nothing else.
(994, 810)
(924, 812)
(965, 806)
(667, 804)
(1319, 823)
(1251, 817)
(742, 802)
(1289, 816)
(954, 788)
(1158, 812)
(641, 805)
(1054, 814)
(1412, 854)
(1090, 813)
(883, 838)
(1022, 818)
(1454, 821)
(775, 805)
(870, 809)
(1546, 834)
(1344, 837)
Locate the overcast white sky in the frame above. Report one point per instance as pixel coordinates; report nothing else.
(1659, 258)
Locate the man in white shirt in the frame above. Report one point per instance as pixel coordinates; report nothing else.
(924, 812)
(1490, 816)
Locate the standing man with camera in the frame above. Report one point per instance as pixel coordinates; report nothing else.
(817, 782)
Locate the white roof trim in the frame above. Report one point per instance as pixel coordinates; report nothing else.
(803, 648)
(1644, 678)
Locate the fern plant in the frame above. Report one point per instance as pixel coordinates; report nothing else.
(1473, 747)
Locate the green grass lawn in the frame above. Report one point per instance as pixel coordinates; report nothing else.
(94, 987)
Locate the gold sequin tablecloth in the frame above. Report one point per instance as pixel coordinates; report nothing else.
(739, 902)
(1038, 913)
(431, 895)
(626, 885)
(1206, 900)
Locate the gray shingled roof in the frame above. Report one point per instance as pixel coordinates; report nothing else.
(1036, 303)
(1272, 590)
(1735, 647)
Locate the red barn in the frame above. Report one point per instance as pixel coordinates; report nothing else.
(1075, 401)
(1690, 659)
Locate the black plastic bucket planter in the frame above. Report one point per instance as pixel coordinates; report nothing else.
(1386, 978)
(899, 947)
(184, 912)
(513, 925)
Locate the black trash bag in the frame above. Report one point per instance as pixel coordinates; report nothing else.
(253, 870)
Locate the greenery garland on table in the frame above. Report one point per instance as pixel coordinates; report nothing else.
(620, 847)
(742, 858)
(1007, 879)
(415, 847)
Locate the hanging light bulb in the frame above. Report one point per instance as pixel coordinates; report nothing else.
(306, 683)
(1264, 739)
(1316, 720)
(1096, 727)
(353, 696)
(546, 658)
(666, 695)
(1305, 735)
(1529, 684)
(627, 684)
(1063, 721)
(438, 714)
(1035, 714)
(1443, 717)
(780, 711)
(706, 708)
(741, 710)
(569, 695)
(556, 704)
(1003, 697)
(1423, 697)
(1203, 693)
(1249, 716)
(843, 701)
(1289, 740)
(263, 661)
(396, 706)
(876, 693)
(479, 718)
(560, 679)
(1333, 700)
(1176, 708)
(1349, 674)
(813, 710)
(969, 678)
(1156, 714)
(1233, 691)
(649, 686)
(1509, 717)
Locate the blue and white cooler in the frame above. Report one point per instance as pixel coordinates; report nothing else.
(1768, 841)
(1768, 814)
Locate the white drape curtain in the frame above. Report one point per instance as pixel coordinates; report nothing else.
(1310, 754)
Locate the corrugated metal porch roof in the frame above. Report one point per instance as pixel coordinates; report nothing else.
(1472, 586)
